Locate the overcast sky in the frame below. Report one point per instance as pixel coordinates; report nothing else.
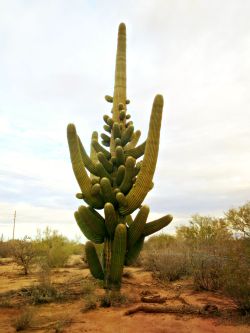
(56, 64)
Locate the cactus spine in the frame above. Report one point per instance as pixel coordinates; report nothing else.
(114, 181)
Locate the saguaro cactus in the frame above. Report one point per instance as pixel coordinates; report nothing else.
(117, 181)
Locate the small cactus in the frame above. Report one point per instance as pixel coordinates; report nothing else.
(112, 179)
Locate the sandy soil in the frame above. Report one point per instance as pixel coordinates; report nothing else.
(68, 315)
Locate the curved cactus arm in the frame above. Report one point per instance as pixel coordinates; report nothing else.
(136, 152)
(99, 148)
(79, 169)
(145, 176)
(129, 174)
(94, 222)
(134, 140)
(88, 162)
(126, 135)
(121, 199)
(134, 252)
(128, 220)
(157, 225)
(137, 227)
(120, 158)
(120, 175)
(107, 191)
(77, 162)
(87, 230)
(93, 261)
(108, 166)
(93, 155)
(102, 172)
(116, 131)
(111, 219)
(118, 254)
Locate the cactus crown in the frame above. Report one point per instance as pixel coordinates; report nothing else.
(114, 178)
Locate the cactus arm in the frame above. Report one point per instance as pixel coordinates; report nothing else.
(118, 254)
(145, 176)
(116, 131)
(98, 148)
(134, 140)
(79, 169)
(88, 162)
(120, 158)
(129, 220)
(121, 199)
(120, 174)
(107, 190)
(107, 128)
(126, 136)
(136, 152)
(77, 162)
(87, 230)
(111, 219)
(92, 220)
(154, 226)
(137, 227)
(102, 172)
(105, 162)
(93, 261)
(129, 174)
(134, 251)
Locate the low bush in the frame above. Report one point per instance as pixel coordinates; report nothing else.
(90, 302)
(24, 320)
(113, 298)
(168, 265)
(207, 271)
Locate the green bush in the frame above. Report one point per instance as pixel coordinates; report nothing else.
(55, 249)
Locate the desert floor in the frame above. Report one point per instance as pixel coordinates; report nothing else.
(69, 315)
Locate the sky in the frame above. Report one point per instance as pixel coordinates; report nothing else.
(57, 62)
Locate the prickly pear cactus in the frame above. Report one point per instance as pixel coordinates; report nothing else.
(117, 180)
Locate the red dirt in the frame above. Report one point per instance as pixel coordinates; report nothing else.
(68, 316)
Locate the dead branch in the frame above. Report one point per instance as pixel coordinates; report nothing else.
(181, 309)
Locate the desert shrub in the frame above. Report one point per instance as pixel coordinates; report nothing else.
(90, 302)
(168, 264)
(159, 242)
(5, 249)
(236, 279)
(88, 287)
(113, 298)
(24, 320)
(207, 271)
(44, 293)
(24, 253)
(54, 249)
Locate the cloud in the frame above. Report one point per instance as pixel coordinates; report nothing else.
(57, 63)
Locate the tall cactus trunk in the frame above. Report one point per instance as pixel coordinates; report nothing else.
(116, 182)
(119, 97)
(107, 251)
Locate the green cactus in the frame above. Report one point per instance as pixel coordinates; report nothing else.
(115, 181)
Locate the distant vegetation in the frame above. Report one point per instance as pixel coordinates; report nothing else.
(214, 252)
